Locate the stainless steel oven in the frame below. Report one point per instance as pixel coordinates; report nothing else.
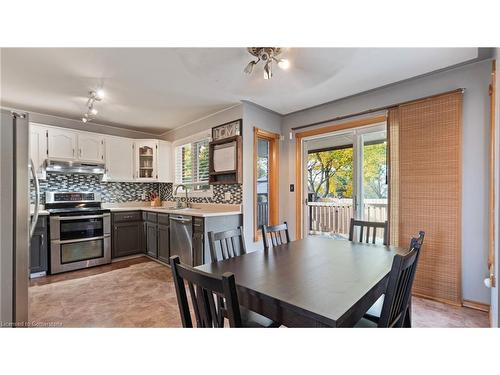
(80, 237)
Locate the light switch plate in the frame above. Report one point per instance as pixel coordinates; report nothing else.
(227, 196)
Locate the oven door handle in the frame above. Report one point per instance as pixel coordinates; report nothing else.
(63, 218)
(59, 242)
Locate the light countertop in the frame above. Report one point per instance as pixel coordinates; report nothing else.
(199, 209)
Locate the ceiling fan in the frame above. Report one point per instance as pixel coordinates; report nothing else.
(268, 56)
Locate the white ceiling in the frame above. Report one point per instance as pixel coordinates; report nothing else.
(157, 89)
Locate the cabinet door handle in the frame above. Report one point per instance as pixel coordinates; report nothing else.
(80, 152)
(42, 239)
(73, 152)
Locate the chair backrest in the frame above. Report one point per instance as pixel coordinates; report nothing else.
(364, 231)
(212, 297)
(231, 243)
(400, 283)
(277, 234)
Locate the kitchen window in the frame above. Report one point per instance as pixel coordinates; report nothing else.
(191, 167)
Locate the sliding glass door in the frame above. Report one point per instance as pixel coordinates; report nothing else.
(345, 176)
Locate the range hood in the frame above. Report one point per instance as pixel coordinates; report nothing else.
(75, 167)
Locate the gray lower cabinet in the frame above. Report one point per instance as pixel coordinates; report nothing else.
(39, 247)
(152, 239)
(163, 243)
(127, 233)
(201, 226)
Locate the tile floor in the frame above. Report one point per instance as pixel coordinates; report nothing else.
(140, 293)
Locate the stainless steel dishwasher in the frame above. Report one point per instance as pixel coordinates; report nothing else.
(181, 238)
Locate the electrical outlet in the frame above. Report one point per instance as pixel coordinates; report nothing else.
(227, 196)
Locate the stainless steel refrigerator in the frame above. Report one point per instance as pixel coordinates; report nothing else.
(14, 218)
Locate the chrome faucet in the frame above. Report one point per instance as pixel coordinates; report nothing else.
(178, 202)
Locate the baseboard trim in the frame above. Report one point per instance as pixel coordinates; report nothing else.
(476, 305)
(437, 299)
(114, 260)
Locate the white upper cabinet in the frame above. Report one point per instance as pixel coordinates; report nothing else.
(165, 170)
(62, 144)
(38, 148)
(90, 148)
(125, 159)
(119, 159)
(146, 159)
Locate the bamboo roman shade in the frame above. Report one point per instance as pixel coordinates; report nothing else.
(425, 189)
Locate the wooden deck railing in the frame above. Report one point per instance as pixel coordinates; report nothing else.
(262, 213)
(335, 217)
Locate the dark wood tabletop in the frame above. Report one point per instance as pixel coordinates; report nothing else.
(312, 282)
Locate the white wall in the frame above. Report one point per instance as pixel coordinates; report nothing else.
(218, 118)
(475, 79)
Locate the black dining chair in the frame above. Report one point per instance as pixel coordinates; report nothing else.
(365, 227)
(229, 244)
(396, 301)
(207, 292)
(277, 234)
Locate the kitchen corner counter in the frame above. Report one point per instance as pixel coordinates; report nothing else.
(198, 210)
(41, 211)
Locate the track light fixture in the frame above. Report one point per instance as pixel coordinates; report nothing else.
(94, 96)
(268, 55)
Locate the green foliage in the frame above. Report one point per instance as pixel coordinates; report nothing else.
(330, 173)
(374, 171)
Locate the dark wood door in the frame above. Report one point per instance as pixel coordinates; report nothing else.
(126, 239)
(152, 239)
(163, 243)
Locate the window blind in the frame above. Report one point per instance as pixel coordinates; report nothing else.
(425, 140)
(191, 164)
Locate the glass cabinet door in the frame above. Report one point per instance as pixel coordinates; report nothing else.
(146, 159)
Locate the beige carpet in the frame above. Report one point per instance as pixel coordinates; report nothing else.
(143, 295)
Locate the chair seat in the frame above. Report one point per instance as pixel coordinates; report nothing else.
(365, 323)
(251, 319)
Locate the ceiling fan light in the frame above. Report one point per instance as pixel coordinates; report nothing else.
(99, 94)
(84, 119)
(249, 67)
(284, 64)
(267, 71)
(93, 111)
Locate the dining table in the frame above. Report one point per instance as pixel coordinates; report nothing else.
(312, 282)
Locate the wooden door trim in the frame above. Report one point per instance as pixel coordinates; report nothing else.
(298, 158)
(491, 244)
(273, 139)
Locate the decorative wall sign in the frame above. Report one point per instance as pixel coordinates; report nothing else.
(229, 129)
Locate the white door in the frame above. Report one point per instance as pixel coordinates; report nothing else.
(61, 144)
(119, 159)
(165, 162)
(38, 148)
(90, 148)
(146, 158)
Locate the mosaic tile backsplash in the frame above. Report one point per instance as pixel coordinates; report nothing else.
(121, 192)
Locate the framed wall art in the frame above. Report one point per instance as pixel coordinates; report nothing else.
(227, 130)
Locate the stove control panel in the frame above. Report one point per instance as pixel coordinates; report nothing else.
(66, 197)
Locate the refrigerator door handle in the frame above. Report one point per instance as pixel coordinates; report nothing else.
(34, 218)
